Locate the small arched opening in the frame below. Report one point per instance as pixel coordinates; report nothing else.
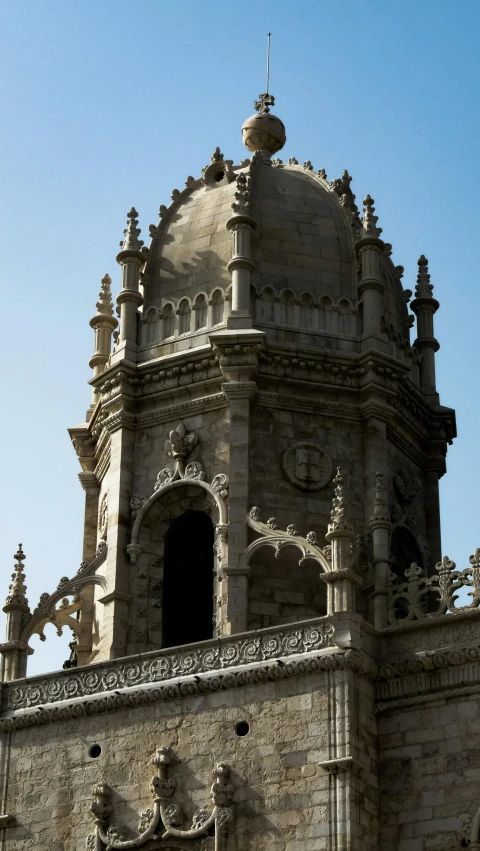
(404, 550)
(188, 580)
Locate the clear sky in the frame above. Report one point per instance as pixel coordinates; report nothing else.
(110, 104)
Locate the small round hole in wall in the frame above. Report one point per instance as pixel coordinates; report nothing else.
(242, 729)
(219, 176)
(95, 751)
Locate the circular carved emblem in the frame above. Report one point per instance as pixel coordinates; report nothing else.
(307, 466)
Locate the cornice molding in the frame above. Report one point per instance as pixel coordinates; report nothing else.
(177, 688)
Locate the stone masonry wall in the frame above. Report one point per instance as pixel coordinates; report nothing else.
(429, 773)
(283, 799)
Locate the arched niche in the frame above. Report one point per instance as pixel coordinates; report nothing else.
(284, 587)
(171, 535)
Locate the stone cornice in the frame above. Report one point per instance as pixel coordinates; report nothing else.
(181, 409)
(429, 676)
(239, 653)
(176, 688)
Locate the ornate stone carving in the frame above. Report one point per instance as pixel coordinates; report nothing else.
(136, 503)
(272, 536)
(217, 656)
(241, 205)
(407, 599)
(163, 820)
(103, 516)
(17, 590)
(307, 466)
(131, 232)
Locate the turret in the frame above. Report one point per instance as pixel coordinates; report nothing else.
(103, 323)
(131, 259)
(241, 265)
(425, 306)
(340, 535)
(17, 609)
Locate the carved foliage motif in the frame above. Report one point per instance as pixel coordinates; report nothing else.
(164, 819)
(162, 665)
(407, 600)
(307, 466)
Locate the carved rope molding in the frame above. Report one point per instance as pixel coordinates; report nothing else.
(162, 665)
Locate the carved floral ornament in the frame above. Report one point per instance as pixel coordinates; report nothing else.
(178, 446)
(163, 820)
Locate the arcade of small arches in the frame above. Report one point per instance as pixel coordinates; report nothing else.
(305, 312)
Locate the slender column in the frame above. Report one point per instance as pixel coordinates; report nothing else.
(342, 580)
(371, 286)
(237, 353)
(103, 323)
(241, 265)
(380, 528)
(425, 306)
(14, 662)
(131, 259)
(117, 570)
(236, 590)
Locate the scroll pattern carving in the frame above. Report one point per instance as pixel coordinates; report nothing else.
(162, 665)
(163, 820)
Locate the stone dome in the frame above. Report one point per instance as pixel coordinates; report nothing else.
(305, 273)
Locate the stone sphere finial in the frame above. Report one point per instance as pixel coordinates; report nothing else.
(264, 131)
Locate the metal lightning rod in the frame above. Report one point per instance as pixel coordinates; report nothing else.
(268, 61)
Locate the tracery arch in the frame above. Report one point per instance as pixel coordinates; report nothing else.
(217, 307)
(168, 321)
(200, 308)
(184, 316)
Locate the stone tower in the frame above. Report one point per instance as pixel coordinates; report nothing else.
(262, 586)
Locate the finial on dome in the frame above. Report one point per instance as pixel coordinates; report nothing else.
(370, 220)
(264, 132)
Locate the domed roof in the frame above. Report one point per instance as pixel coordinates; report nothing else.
(302, 246)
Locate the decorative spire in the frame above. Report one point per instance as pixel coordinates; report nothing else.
(369, 221)
(380, 503)
(217, 156)
(105, 303)
(241, 206)
(16, 593)
(338, 514)
(132, 232)
(423, 288)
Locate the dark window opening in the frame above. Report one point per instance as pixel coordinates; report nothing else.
(188, 580)
(219, 176)
(404, 550)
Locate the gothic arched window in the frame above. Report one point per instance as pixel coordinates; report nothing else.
(188, 580)
(200, 312)
(184, 314)
(287, 308)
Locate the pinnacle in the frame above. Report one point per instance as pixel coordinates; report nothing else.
(132, 232)
(423, 288)
(105, 304)
(16, 592)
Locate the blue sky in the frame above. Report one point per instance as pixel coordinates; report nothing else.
(110, 104)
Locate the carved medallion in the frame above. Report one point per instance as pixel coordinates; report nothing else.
(307, 466)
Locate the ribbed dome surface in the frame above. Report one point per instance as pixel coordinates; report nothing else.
(302, 247)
